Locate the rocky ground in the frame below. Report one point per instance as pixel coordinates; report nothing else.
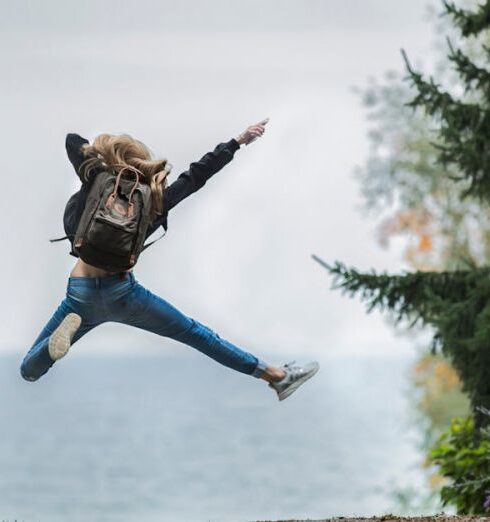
(391, 518)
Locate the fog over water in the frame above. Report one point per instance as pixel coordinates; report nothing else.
(130, 424)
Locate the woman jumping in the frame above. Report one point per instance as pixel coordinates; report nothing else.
(95, 296)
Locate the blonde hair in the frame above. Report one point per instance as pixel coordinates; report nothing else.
(115, 152)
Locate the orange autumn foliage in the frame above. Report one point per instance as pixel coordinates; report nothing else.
(425, 242)
(419, 225)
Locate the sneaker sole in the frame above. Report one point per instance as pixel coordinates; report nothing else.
(288, 391)
(60, 339)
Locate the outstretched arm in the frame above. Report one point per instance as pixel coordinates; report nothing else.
(200, 171)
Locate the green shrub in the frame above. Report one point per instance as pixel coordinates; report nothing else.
(462, 454)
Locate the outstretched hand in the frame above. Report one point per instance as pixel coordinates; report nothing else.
(252, 133)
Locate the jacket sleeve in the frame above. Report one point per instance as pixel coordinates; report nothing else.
(199, 172)
(73, 143)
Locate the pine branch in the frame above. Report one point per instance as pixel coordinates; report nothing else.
(474, 77)
(437, 102)
(455, 304)
(417, 293)
(470, 23)
(463, 130)
(429, 96)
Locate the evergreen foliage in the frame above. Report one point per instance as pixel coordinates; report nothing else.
(469, 23)
(464, 127)
(456, 304)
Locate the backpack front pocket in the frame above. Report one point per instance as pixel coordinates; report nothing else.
(112, 236)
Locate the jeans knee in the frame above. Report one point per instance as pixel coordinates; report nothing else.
(200, 334)
(208, 335)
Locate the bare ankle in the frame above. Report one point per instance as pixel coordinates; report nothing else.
(271, 373)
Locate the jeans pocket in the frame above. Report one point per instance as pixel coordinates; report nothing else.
(118, 292)
(79, 294)
(138, 298)
(131, 304)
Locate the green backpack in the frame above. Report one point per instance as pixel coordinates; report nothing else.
(113, 225)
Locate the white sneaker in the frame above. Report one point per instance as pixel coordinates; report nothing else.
(60, 339)
(295, 376)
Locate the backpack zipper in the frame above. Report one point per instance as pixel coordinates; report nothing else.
(109, 221)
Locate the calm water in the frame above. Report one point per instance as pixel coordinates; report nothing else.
(178, 437)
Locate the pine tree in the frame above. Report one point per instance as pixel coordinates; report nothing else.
(456, 304)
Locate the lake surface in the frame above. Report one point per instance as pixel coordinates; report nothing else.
(176, 436)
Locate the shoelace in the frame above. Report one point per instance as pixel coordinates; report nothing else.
(291, 370)
(294, 371)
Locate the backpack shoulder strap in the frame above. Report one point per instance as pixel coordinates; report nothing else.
(154, 241)
(94, 188)
(61, 238)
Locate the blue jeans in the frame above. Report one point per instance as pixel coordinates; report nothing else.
(110, 298)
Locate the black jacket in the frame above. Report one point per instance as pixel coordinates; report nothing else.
(187, 183)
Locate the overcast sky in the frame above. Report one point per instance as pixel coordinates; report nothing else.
(182, 77)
